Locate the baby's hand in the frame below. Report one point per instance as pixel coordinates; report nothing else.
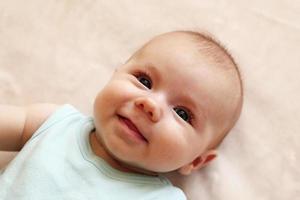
(17, 124)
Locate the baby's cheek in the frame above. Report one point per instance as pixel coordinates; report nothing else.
(171, 144)
(120, 90)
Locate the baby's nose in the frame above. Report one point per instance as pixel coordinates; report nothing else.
(150, 107)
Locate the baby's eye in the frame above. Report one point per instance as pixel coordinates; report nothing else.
(145, 80)
(185, 114)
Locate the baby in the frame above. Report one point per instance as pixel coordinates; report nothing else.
(166, 109)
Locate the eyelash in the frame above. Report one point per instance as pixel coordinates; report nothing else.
(147, 74)
(191, 115)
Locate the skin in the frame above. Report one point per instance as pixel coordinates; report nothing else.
(181, 77)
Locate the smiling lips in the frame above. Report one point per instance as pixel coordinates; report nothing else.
(133, 128)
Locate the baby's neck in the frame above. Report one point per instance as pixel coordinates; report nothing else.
(99, 150)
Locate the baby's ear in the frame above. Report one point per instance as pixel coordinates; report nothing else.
(199, 162)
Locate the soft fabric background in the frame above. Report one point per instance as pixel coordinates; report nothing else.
(65, 51)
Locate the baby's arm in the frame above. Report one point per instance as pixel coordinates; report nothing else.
(6, 157)
(17, 124)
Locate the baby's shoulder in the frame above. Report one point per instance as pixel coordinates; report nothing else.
(36, 115)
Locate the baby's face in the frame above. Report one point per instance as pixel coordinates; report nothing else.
(164, 107)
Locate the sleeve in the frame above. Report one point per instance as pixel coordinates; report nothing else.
(61, 113)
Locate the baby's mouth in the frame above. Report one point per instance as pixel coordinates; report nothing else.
(132, 127)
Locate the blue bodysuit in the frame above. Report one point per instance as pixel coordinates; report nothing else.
(58, 163)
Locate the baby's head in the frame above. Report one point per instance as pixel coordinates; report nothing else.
(170, 105)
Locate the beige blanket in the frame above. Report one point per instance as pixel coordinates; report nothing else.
(65, 51)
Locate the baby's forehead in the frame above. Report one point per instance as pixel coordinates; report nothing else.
(188, 75)
(179, 54)
(192, 47)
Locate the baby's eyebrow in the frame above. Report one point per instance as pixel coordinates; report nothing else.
(191, 101)
(154, 70)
